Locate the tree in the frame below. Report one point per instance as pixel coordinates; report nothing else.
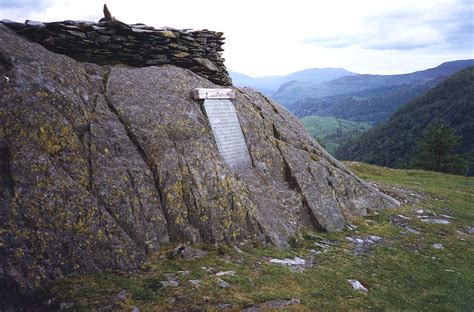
(437, 150)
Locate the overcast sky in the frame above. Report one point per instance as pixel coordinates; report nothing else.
(265, 37)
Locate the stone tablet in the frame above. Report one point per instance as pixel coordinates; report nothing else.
(228, 133)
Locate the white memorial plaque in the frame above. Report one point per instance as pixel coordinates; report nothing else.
(229, 137)
(203, 94)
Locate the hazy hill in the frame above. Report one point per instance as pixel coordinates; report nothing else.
(372, 106)
(294, 91)
(270, 84)
(393, 142)
(333, 132)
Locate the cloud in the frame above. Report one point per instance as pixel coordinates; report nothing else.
(17, 10)
(335, 41)
(25, 4)
(274, 37)
(393, 39)
(438, 26)
(412, 37)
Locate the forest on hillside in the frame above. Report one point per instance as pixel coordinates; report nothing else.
(394, 142)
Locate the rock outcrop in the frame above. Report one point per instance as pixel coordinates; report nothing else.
(138, 45)
(99, 165)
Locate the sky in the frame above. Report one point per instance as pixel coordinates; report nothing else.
(265, 37)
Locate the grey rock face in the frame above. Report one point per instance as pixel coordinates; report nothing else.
(99, 165)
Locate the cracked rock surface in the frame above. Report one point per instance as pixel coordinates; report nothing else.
(100, 165)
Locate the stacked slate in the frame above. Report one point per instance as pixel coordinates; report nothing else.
(138, 45)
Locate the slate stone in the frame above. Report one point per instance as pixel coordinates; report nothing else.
(79, 34)
(103, 39)
(114, 42)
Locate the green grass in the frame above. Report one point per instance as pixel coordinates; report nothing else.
(333, 132)
(402, 273)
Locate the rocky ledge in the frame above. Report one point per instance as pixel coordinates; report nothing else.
(99, 165)
(114, 42)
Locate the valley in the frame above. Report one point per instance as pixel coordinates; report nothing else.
(332, 132)
(376, 118)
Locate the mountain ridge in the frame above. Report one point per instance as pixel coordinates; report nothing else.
(372, 106)
(270, 84)
(393, 142)
(295, 91)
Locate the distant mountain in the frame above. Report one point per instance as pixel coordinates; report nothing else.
(393, 142)
(270, 84)
(372, 106)
(332, 132)
(294, 91)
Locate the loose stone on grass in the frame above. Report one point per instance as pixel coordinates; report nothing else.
(399, 221)
(297, 265)
(189, 253)
(436, 221)
(65, 305)
(351, 227)
(171, 280)
(403, 217)
(278, 303)
(289, 262)
(272, 304)
(195, 283)
(411, 230)
(357, 285)
(183, 273)
(364, 243)
(122, 295)
(222, 283)
(224, 305)
(222, 273)
(238, 250)
(447, 216)
(324, 244)
(171, 283)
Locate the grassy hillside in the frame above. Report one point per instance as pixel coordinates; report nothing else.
(333, 132)
(393, 143)
(404, 270)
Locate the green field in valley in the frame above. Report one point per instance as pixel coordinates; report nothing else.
(333, 132)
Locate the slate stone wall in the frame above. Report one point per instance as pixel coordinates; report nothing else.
(110, 43)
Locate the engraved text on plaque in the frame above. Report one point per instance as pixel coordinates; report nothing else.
(228, 133)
